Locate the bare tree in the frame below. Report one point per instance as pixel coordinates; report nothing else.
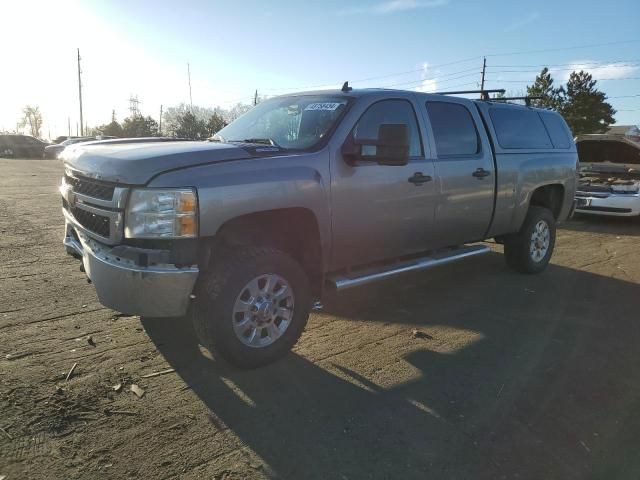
(33, 118)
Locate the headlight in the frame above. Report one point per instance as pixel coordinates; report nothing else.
(156, 213)
(625, 187)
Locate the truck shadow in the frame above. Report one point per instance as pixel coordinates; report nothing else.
(629, 226)
(543, 392)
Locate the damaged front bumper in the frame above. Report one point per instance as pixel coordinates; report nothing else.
(614, 204)
(157, 290)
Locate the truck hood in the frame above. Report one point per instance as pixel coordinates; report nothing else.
(138, 163)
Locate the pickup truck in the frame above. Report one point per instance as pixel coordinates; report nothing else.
(308, 193)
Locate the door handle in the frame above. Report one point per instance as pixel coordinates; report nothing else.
(481, 173)
(418, 178)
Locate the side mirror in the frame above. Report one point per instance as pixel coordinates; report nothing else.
(390, 148)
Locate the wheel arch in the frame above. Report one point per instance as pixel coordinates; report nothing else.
(294, 231)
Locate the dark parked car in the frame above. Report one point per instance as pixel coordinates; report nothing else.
(52, 151)
(62, 138)
(21, 146)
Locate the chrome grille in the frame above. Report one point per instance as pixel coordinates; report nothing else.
(94, 207)
(90, 188)
(95, 223)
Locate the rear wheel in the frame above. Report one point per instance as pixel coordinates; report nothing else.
(530, 250)
(252, 307)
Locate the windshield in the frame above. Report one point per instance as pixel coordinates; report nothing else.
(296, 123)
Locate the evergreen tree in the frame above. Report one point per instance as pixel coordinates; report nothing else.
(585, 107)
(188, 126)
(139, 126)
(113, 129)
(543, 86)
(215, 124)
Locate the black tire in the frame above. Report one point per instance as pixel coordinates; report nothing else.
(213, 310)
(517, 246)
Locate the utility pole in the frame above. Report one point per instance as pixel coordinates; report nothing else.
(484, 68)
(255, 98)
(189, 77)
(68, 126)
(80, 92)
(160, 123)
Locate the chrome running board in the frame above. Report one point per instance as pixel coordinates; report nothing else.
(355, 279)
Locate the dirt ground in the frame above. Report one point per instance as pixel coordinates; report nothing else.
(509, 376)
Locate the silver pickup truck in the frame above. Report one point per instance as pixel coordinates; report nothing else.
(309, 192)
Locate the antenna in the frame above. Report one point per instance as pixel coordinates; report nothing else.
(345, 87)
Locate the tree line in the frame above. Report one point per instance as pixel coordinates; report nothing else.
(581, 103)
(184, 121)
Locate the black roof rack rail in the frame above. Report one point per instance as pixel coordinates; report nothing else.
(527, 100)
(484, 94)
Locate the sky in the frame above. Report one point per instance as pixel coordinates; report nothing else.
(141, 48)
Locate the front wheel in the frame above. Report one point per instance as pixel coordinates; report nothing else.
(530, 250)
(252, 307)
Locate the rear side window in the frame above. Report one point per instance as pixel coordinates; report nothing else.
(385, 112)
(453, 129)
(557, 130)
(519, 128)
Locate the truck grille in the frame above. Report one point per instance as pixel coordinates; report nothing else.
(97, 224)
(90, 188)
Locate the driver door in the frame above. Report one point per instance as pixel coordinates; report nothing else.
(381, 211)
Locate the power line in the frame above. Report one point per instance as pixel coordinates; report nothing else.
(397, 74)
(545, 50)
(622, 63)
(464, 60)
(434, 79)
(597, 79)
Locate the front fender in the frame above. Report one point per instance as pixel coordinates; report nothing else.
(233, 189)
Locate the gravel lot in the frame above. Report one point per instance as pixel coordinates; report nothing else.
(509, 376)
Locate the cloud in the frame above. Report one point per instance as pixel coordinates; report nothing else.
(428, 85)
(599, 71)
(532, 17)
(393, 6)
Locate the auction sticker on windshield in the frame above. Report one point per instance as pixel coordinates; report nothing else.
(324, 106)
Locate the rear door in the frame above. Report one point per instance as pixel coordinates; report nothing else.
(464, 169)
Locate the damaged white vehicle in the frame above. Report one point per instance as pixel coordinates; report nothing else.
(609, 175)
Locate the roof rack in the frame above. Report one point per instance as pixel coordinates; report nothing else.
(527, 99)
(484, 94)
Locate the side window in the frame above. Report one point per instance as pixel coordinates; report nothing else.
(557, 129)
(390, 111)
(453, 129)
(519, 128)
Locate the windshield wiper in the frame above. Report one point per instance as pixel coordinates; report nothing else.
(217, 138)
(262, 141)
